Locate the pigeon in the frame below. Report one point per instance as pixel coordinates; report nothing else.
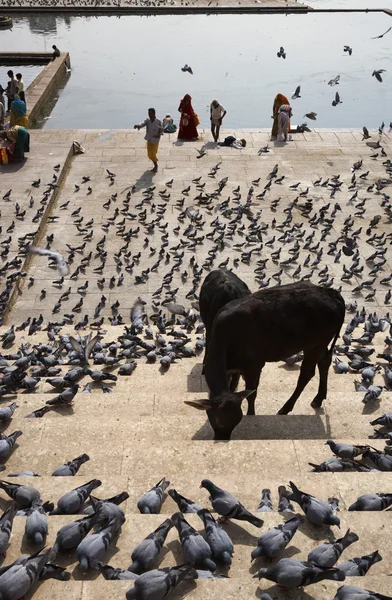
(71, 502)
(6, 522)
(187, 69)
(196, 550)
(327, 554)
(18, 580)
(358, 567)
(36, 527)
(184, 504)
(281, 53)
(377, 74)
(296, 93)
(151, 501)
(115, 574)
(334, 81)
(70, 468)
(7, 411)
(382, 461)
(71, 534)
(265, 502)
(217, 538)
(374, 502)
(7, 443)
(93, 548)
(337, 100)
(24, 495)
(145, 554)
(61, 263)
(274, 541)
(291, 574)
(159, 583)
(348, 49)
(317, 511)
(346, 451)
(312, 116)
(228, 506)
(349, 592)
(385, 420)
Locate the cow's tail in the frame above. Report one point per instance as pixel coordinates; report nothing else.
(335, 339)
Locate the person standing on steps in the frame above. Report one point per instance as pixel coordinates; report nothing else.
(12, 89)
(217, 112)
(154, 131)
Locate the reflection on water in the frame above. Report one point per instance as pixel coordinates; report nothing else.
(123, 65)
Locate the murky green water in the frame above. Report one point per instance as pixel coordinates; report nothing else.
(123, 65)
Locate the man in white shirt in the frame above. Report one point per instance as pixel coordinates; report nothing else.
(154, 131)
(217, 112)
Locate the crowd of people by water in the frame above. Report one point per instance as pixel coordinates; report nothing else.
(13, 132)
(17, 138)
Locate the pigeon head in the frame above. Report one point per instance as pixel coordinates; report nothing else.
(224, 411)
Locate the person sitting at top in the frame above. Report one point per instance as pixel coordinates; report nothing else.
(217, 112)
(21, 92)
(56, 52)
(168, 124)
(12, 89)
(187, 130)
(280, 99)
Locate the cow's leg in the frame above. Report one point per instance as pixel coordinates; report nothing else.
(252, 378)
(308, 369)
(323, 367)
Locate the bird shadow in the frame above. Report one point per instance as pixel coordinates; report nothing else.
(239, 535)
(317, 534)
(176, 549)
(276, 592)
(371, 407)
(264, 562)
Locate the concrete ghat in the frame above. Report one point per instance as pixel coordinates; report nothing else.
(143, 430)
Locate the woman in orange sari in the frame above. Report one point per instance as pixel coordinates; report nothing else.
(278, 102)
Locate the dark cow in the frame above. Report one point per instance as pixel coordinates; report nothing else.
(269, 326)
(219, 288)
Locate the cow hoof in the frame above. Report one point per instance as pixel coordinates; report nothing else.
(316, 403)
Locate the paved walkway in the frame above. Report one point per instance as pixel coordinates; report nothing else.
(158, 246)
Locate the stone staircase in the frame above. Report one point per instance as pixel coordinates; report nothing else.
(143, 431)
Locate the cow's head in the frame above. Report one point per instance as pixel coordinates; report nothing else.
(224, 411)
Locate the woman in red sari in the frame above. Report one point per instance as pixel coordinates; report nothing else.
(188, 120)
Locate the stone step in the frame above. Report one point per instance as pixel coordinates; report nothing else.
(42, 452)
(245, 484)
(243, 535)
(231, 589)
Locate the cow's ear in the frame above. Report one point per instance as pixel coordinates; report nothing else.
(243, 394)
(200, 404)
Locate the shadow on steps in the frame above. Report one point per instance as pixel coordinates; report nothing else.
(275, 427)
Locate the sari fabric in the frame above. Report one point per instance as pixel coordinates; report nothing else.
(18, 114)
(188, 131)
(20, 143)
(279, 101)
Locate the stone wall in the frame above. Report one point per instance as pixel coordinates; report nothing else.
(44, 87)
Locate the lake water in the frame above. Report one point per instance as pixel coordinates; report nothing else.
(123, 65)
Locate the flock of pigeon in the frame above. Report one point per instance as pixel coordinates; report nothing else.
(203, 554)
(303, 236)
